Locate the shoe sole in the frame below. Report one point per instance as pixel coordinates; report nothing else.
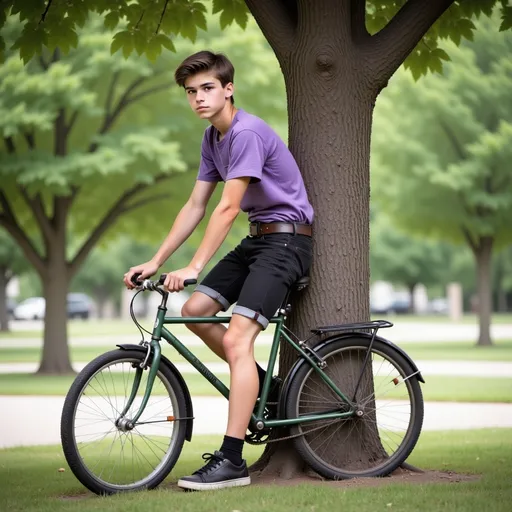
(198, 486)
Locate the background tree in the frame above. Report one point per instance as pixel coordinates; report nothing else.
(405, 260)
(442, 154)
(12, 263)
(336, 57)
(90, 138)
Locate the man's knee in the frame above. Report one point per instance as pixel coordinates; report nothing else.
(199, 305)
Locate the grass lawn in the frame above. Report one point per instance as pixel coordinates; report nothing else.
(30, 481)
(108, 327)
(447, 351)
(437, 388)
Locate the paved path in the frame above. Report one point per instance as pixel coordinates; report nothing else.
(402, 332)
(35, 420)
(451, 368)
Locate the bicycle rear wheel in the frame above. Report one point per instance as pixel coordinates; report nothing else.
(107, 458)
(389, 398)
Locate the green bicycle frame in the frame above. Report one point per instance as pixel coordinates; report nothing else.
(160, 331)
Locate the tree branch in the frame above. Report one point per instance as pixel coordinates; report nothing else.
(278, 21)
(29, 137)
(9, 144)
(161, 17)
(111, 91)
(110, 117)
(117, 209)
(71, 122)
(358, 21)
(43, 17)
(147, 92)
(457, 146)
(9, 222)
(142, 202)
(469, 239)
(390, 46)
(37, 208)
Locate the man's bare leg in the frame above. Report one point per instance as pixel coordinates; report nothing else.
(198, 305)
(239, 349)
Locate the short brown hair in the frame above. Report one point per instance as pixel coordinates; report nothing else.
(206, 61)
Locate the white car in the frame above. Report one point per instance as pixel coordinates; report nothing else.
(32, 308)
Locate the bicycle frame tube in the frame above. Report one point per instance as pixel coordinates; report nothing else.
(160, 331)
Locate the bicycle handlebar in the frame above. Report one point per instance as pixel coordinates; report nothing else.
(147, 284)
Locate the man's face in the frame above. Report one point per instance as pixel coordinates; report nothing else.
(206, 95)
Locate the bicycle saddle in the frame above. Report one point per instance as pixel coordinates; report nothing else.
(301, 283)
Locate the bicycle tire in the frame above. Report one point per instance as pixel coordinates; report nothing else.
(309, 394)
(104, 410)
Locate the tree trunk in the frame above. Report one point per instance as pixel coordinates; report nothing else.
(4, 315)
(329, 136)
(483, 254)
(56, 279)
(412, 305)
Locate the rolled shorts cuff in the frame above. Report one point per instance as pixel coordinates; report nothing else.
(214, 295)
(249, 313)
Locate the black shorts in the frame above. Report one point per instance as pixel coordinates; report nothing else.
(258, 273)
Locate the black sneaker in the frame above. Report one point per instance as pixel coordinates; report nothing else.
(217, 473)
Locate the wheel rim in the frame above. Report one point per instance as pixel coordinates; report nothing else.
(358, 445)
(114, 458)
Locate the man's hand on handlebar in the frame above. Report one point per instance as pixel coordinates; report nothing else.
(144, 270)
(174, 282)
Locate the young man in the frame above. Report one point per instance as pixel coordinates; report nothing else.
(261, 178)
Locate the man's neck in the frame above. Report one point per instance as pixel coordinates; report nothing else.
(223, 121)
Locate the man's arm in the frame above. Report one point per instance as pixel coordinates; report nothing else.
(186, 221)
(218, 227)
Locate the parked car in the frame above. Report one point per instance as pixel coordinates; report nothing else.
(32, 308)
(79, 305)
(11, 306)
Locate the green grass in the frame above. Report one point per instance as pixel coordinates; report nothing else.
(437, 388)
(30, 482)
(445, 351)
(108, 327)
(457, 351)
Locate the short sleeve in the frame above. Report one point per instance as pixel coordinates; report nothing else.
(207, 169)
(247, 156)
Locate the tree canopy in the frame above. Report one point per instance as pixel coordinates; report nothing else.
(442, 149)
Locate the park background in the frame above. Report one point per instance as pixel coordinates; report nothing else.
(441, 199)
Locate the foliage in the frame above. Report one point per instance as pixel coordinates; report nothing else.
(404, 259)
(442, 147)
(149, 27)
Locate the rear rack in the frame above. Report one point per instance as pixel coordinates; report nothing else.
(372, 325)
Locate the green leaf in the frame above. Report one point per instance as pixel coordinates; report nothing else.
(466, 28)
(166, 42)
(121, 39)
(506, 19)
(139, 41)
(111, 20)
(154, 47)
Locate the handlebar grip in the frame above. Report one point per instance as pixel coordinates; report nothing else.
(187, 282)
(135, 279)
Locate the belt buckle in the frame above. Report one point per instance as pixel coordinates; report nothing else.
(254, 228)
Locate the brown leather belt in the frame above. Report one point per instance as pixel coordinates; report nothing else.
(259, 228)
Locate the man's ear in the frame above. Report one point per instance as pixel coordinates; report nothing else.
(229, 90)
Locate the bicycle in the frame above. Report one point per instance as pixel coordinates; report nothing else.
(129, 411)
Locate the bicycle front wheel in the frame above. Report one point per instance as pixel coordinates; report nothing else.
(104, 455)
(388, 399)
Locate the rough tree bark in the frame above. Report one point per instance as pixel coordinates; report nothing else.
(334, 71)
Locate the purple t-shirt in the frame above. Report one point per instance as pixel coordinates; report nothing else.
(252, 149)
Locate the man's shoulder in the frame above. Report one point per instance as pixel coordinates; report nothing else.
(252, 123)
